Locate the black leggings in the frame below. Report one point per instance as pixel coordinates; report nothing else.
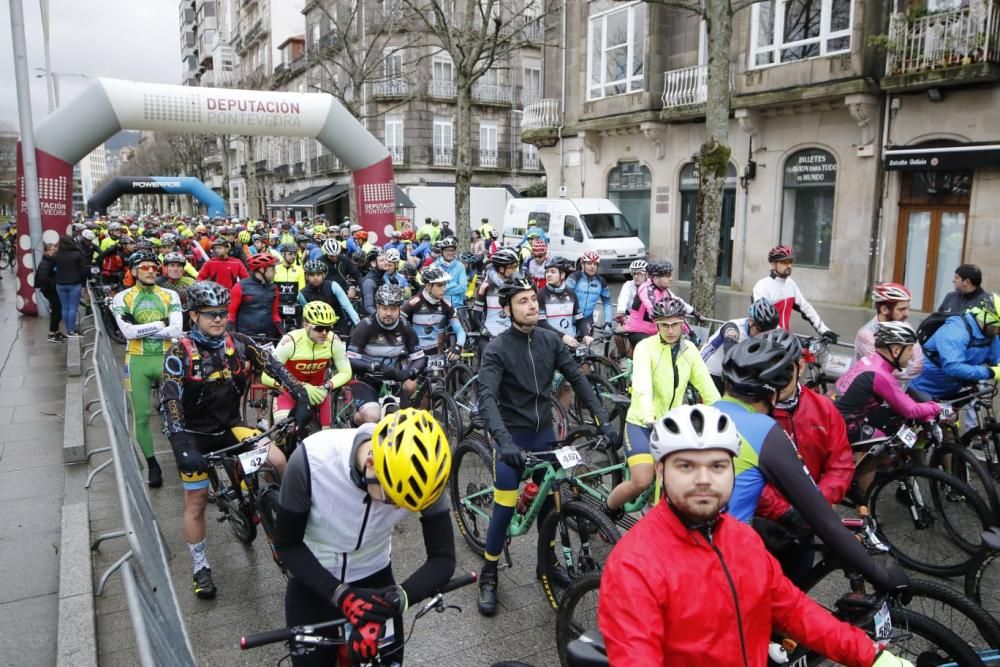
(304, 607)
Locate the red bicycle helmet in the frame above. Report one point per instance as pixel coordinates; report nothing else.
(590, 256)
(890, 293)
(539, 245)
(780, 253)
(261, 261)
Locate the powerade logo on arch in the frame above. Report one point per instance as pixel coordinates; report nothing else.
(164, 186)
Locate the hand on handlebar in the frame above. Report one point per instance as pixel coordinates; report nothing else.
(896, 582)
(830, 337)
(512, 455)
(609, 432)
(362, 645)
(570, 342)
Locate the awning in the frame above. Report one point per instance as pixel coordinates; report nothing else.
(942, 158)
(317, 196)
(402, 201)
(332, 193)
(288, 199)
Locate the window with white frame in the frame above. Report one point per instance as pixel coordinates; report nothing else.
(443, 140)
(531, 85)
(784, 31)
(394, 136)
(393, 60)
(488, 143)
(529, 157)
(442, 69)
(616, 41)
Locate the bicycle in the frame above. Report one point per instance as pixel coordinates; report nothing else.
(8, 254)
(304, 639)
(246, 486)
(561, 558)
(939, 536)
(982, 579)
(984, 436)
(258, 400)
(823, 367)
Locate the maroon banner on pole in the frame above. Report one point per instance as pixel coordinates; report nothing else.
(375, 195)
(55, 192)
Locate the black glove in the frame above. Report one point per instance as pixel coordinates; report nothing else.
(366, 605)
(303, 415)
(697, 315)
(398, 374)
(796, 524)
(166, 321)
(512, 455)
(189, 460)
(128, 318)
(362, 645)
(830, 337)
(611, 433)
(896, 581)
(375, 367)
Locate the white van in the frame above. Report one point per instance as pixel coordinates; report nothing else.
(575, 226)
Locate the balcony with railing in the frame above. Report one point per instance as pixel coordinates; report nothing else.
(390, 88)
(282, 171)
(533, 30)
(399, 154)
(298, 170)
(260, 166)
(441, 88)
(443, 156)
(324, 164)
(685, 91)
(486, 158)
(540, 123)
(489, 93)
(530, 161)
(952, 47)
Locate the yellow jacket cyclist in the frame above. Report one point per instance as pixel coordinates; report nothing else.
(662, 367)
(307, 353)
(149, 317)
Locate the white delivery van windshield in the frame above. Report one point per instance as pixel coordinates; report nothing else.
(608, 225)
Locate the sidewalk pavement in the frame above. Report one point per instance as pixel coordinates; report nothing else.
(32, 483)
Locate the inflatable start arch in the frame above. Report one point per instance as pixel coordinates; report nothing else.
(108, 105)
(144, 185)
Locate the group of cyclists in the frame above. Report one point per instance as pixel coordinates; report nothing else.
(316, 308)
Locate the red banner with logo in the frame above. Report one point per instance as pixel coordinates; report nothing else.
(375, 195)
(55, 192)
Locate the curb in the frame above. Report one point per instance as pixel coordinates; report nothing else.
(74, 445)
(74, 365)
(77, 635)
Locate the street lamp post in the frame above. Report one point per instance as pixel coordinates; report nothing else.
(29, 163)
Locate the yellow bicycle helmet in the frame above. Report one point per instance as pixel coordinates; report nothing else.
(412, 458)
(988, 311)
(243, 237)
(320, 313)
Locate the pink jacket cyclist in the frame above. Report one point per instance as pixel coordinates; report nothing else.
(656, 288)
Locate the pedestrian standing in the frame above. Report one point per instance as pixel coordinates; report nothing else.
(45, 282)
(71, 272)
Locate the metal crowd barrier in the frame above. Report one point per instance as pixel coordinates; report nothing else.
(161, 637)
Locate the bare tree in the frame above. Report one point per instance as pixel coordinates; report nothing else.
(360, 51)
(478, 35)
(713, 158)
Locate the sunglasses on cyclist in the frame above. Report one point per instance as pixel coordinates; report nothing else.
(214, 314)
(319, 328)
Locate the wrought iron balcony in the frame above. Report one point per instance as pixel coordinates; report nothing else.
(486, 93)
(958, 37)
(390, 88)
(444, 156)
(441, 88)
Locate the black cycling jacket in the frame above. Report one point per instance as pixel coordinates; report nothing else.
(515, 382)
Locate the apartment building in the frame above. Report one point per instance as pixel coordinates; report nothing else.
(859, 133)
(407, 100)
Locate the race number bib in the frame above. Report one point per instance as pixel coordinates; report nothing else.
(568, 457)
(251, 461)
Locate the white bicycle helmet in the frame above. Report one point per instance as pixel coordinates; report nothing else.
(637, 265)
(392, 255)
(331, 247)
(693, 427)
(890, 293)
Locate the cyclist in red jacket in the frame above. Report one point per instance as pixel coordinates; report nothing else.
(717, 597)
(223, 269)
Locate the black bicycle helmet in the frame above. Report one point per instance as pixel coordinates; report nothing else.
(758, 367)
(668, 307)
(302, 238)
(512, 287)
(448, 242)
(207, 294)
(434, 274)
(316, 266)
(504, 257)
(787, 341)
(137, 258)
(894, 333)
(659, 267)
(389, 295)
(409, 271)
(560, 263)
(763, 314)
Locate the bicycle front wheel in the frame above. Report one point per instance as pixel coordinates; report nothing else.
(446, 411)
(982, 581)
(573, 542)
(924, 641)
(939, 539)
(577, 613)
(955, 611)
(472, 492)
(963, 464)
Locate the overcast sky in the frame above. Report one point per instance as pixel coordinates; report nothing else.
(126, 39)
